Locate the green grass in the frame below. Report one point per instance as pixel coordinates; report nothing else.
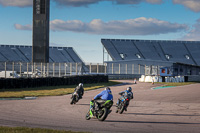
(49, 91)
(31, 130)
(175, 84)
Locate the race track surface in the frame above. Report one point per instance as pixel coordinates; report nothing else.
(169, 110)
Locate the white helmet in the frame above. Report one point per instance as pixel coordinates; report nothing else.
(80, 84)
(129, 89)
(107, 88)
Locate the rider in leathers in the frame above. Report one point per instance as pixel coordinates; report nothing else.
(104, 95)
(128, 92)
(80, 90)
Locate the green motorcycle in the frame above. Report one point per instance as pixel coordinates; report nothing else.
(100, 110)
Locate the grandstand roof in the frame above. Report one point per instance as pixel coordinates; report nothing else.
(173, 51)
(24, 54)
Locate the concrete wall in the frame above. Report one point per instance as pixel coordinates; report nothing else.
(194, 78)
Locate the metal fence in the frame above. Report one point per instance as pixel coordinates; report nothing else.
(123, 68)
(20, 69)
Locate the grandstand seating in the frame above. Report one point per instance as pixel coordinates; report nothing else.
(174, 51)
(129, 50)
(194, 49)
(177, 52)
(20, 53)
(111, 50)
(2, 57)
(148, 50)
(73, 55)
(26, 51)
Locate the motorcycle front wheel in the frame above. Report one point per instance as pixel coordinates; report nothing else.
(72, 101)
(117, 109)
(122, 108)
(87, 117)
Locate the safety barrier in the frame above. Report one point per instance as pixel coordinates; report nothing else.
(12, 83)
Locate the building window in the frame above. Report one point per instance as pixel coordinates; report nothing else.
(40, 6)
(138, 56)
(163, 71)
(187, 56)
(168, 56)
(167, 71)
(123, 56)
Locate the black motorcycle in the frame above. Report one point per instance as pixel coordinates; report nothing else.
(75, 98)
(100, 111)
(123, 104)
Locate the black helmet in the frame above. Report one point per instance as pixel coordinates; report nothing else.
(129, 89)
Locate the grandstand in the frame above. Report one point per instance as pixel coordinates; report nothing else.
(19, 53)
(62, 61)
(175, 51)
(138, 54)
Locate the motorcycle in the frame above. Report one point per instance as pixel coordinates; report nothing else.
(75, 98)
(123, 104)
(100, 111)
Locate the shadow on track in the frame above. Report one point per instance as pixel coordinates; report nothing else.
(123, 84)
(159, 114)
(150, 122)
(83, 104)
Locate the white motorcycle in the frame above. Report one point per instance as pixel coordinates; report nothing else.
(75, 98)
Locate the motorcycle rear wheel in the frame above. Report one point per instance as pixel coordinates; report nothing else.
(103, 115)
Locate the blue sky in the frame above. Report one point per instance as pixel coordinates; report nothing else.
(82, 23)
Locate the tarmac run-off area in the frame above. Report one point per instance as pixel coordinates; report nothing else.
(168, 110)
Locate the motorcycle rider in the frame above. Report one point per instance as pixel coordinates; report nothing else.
(106, 94)
(128, 92)
(80, 90)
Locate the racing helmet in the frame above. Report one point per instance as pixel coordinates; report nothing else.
(129, 89)
(107, 88)
(80, 84)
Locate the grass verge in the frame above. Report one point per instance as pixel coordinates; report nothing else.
(31, 130)
(175, 84)
(49, 91)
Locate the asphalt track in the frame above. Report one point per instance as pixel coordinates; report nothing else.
(169, 110)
